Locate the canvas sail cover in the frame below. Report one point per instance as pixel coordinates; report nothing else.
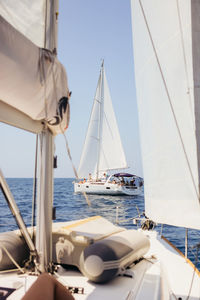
(166, 39)
(32, 80)
(102, 149)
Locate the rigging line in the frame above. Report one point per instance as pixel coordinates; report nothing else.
(106, 161)
(173, 295)
(184, 54)
(65, 138)
(109, 125)
(70, 157)
(192, 252)
(66, 142)
(195, 267)
(6, 271)
(111, 133)
(34, 189)
(74, 169)
(12, 259)
(170, 102)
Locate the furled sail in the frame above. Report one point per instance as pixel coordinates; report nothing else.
(33, 83)
(166, 38)
(103, 149)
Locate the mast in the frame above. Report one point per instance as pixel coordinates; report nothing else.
(45, 201)
(101, 110)
(45, 183)
(102, 148)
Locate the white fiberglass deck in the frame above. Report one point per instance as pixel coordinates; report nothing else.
(160, 275)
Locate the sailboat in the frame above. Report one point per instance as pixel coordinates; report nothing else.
(113, 262)
(103, 151)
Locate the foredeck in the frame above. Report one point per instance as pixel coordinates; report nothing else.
(163, 271)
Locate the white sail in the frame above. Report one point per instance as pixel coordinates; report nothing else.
(32, 80)
(31, 18)
(103, 149)
(167, 72)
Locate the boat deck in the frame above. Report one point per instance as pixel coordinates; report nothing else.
(162, 274)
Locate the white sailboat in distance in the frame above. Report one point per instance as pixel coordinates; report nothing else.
(103, 151)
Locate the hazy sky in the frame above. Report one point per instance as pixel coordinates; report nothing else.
(89, 31)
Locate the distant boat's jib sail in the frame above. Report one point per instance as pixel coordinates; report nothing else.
(166, 39)
(103, 149)
(33, 83)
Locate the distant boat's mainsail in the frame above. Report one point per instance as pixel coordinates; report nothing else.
(103, 149)
(166, 37)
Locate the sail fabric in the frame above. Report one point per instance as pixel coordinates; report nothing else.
(166, 38)
(102, 149)
(30, 18)
(32, 80)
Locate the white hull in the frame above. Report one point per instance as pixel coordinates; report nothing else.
(163, 273)
(105, 188)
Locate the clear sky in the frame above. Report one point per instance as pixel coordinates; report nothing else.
(89, 31)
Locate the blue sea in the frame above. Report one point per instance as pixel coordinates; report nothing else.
(70, 206)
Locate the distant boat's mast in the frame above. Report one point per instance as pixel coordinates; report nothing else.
(101, 110)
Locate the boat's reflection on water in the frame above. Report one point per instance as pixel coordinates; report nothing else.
(117, 209)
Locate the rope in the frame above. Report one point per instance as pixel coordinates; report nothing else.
(66, 142)
(6, 271)
(61, 129)
(70, 157)
(12, 259)
(170, 102)
(34, 187)
(74, 169)
(184, 54)
(192, 281)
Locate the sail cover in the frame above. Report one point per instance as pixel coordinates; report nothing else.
(32, 80)
(166, 39)
(102, 149)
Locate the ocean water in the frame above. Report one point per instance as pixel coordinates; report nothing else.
(70, 206)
